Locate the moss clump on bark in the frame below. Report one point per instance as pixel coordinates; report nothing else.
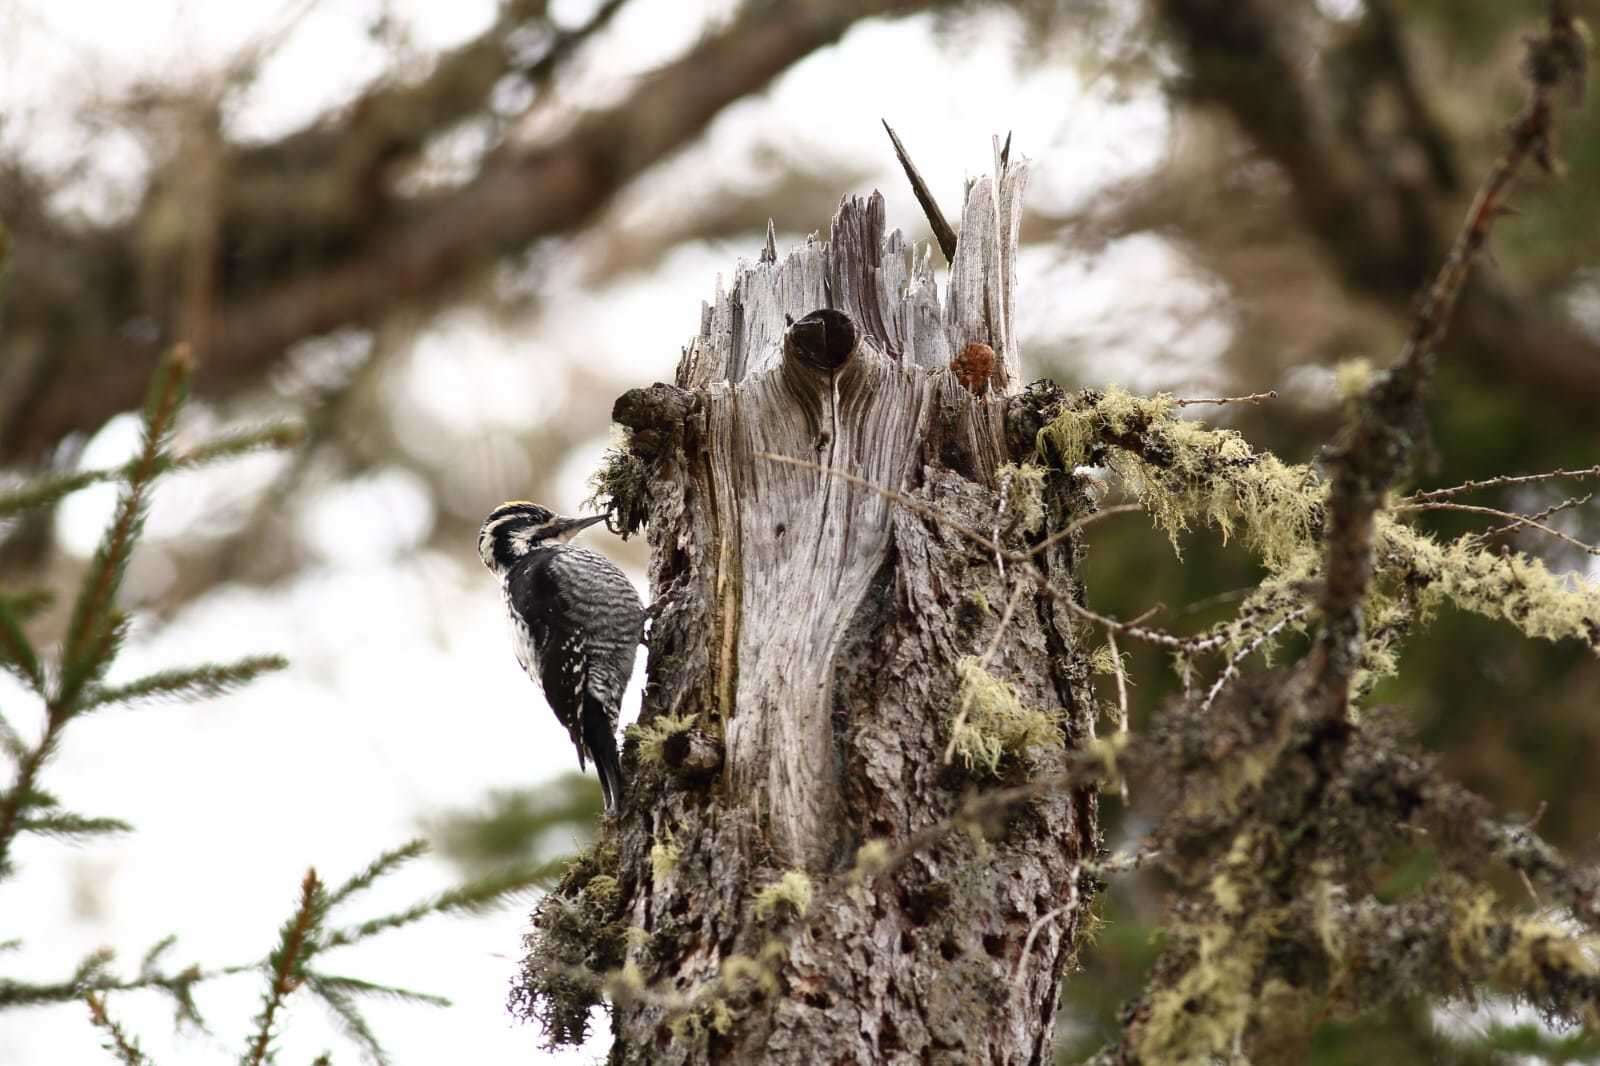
(664, 856)
(661, 729)
(991, 722)
(789, 895)
(622, 488)
(578, 937)
(1023, 488)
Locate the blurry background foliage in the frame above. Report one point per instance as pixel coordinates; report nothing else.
(444, 240)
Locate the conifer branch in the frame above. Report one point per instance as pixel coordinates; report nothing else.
(43, 491)
(185, 685)
(122, 1045)
(96, 628)
(69, 826)
(1514, 521)
(16, 653)
(286, 965)
(91, 611)
(1586, 473)
(472, 898)
(348, 1017)
(383, 865)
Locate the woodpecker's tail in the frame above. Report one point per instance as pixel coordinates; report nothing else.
(602, 745)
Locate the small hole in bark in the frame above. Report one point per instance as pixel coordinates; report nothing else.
(921, 904)
(908, 943)
(949, 949)
(817, 999)
(889, 1036)
(825, 339)
(782, 529)
(994, 945)
(680, 907)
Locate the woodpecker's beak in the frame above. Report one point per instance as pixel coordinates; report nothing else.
(565, 529)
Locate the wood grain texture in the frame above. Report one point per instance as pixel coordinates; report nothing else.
(817, 626)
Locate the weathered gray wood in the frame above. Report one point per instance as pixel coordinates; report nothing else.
(807, 554)
(817, 625)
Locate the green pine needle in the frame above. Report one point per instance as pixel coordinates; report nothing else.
(349, 1018)
(147, 965)
(355, 986)
(383, 865)
(184, 686)
(44, 491)
(16, 653)
(119, 1043)
(86, 646)
(71, 826)
(286, 966)
(475, 897)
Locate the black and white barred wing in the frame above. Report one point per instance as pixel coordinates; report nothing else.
(585, 621)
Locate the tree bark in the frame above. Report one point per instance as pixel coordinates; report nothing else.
(815, 627)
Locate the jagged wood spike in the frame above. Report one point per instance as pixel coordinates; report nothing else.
(769, 253)
(941, 228)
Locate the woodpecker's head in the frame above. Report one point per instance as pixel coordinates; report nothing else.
(514, 529)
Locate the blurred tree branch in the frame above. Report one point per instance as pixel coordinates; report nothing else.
(1381, 224)
(313, 235)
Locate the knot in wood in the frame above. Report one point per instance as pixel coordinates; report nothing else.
(973, 366)
(823, 340)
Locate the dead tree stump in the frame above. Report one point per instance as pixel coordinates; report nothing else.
(805, 670)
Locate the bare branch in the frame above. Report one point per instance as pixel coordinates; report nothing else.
(1501, 482)
(1512, 517)
(942, 231)
(1254, 398)
(1378, 445)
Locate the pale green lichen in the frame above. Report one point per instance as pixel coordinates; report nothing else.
(990, 721)
(1201, 1015)
(1184, 471)
(664, 856)
(1104, 661)
(1023, 487)
(1352, 378)
(871, 859)
(1513, 587)
(716, 1006)
(578, 928)
(653, 736)
(791, 892)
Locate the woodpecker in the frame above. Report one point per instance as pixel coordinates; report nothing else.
(575, 623)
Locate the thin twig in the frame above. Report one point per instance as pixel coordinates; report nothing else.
(1188, 645)
(1500, 482)
(1122, 696)
(1254, 398)
(1231, 671)
(126, 1049)
(1042, 921)
(1511, 516)
(918, 507)
(1549, 512)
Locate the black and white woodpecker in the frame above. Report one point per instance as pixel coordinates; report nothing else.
(576, 622)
